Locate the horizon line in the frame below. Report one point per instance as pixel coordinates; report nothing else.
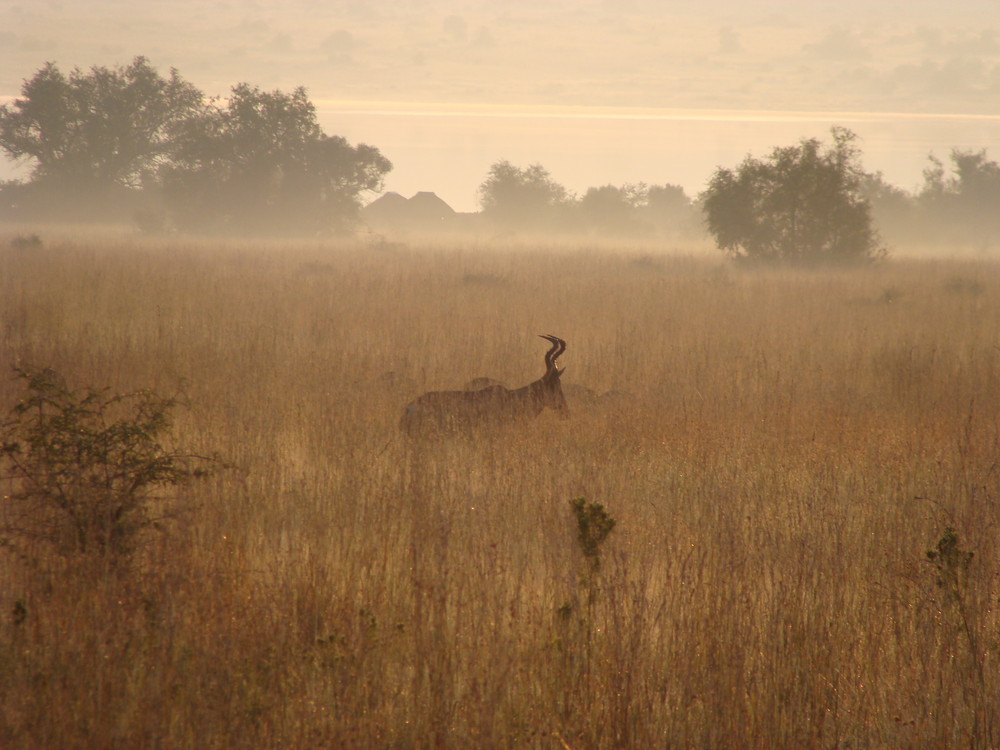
(401, 108)
(603, 112)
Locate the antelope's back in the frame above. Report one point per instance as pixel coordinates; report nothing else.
(444, 411)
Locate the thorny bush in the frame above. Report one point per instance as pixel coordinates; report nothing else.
(82, 469)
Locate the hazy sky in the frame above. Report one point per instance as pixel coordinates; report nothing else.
(595, 77)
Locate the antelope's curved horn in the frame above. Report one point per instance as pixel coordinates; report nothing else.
(550, 352)
(558, 347)
(562, 348)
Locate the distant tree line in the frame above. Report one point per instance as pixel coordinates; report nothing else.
(125, 142)
(528, 199)
(129, 144)
(957, 204)
(807, 203)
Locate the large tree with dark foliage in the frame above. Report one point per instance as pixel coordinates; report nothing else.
(261, 162)
(94, 136)
(110, 143)
(802, 204)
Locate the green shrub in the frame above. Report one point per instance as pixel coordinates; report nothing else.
(83, 468)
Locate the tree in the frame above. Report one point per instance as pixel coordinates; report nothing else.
(966, 203)
(667, 199)
(671, 211)
(523, 198)
(802, 204)
(93, 135)
(85, 468)
(613, 210)
(894, 210)
(262, 162)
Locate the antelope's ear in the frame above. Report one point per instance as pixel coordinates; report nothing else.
(560, 371)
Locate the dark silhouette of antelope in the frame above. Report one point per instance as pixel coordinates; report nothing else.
(442, 411)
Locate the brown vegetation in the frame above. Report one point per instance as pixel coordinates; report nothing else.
(792, 445)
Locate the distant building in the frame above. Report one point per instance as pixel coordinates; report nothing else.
(389, 208)
(424, 212)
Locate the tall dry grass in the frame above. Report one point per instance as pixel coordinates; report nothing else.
(784, 449)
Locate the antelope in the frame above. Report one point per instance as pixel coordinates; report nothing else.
(494, 404)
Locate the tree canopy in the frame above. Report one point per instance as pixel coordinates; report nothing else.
(522, 198)
(611, 209)
(261, 161)
(258, 160)
(96, 129)
(966, 201)
(125, 142)
(803, 203)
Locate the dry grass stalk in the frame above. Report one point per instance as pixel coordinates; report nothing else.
(785, 448)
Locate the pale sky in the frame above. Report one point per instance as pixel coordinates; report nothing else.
(595, 91)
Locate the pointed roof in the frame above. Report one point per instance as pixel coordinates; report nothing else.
(387, 202)
(427, 205)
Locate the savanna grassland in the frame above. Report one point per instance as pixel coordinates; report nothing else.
(779, 452)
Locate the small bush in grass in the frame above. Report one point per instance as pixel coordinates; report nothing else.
(955, 576)
(26, 242)
(593, 524)
(952, 567)
(83, 469)
(951, 563)
(576, 620)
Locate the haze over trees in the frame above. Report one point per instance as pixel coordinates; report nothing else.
(128, 144)
(968, 198)
(957, 204)
(640, 210)
(525, 198)
(109, 142)
(93, 137)
(529, 199)
(805, 203)
(262, 162)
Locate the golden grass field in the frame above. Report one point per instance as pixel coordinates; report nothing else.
(784, 449)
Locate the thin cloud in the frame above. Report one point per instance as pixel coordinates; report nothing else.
(455, 27)
(954, 78)
(729, 41)
(340, 46)
(838, 44)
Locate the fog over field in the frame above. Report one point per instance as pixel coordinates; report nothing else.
(552, 375)
(598, 92)
(780, 451)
